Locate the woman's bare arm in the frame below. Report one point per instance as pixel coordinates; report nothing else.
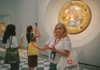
(20, 41)
(36, 32)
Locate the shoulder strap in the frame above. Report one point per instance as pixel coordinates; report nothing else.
(10, 42)
(31, 36)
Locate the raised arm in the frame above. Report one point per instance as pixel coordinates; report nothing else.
(36, 31)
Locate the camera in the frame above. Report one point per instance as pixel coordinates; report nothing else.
(35, 24)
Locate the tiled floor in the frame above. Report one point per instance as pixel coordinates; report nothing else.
(43, 63)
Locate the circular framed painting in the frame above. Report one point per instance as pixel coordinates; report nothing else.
(75, 15)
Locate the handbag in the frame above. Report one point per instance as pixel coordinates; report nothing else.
(32, 50)
(68, 63)
(12, 55)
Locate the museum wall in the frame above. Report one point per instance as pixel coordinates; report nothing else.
(22, 12)
(7, 8)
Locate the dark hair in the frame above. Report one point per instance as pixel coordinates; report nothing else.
(9, 31)
(29, 28)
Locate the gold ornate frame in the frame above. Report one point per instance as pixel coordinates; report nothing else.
(75, 15)
(2, 28)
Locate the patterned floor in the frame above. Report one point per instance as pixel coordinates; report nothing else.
(43, 64)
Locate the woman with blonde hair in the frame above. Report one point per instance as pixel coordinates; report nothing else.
(59, 45)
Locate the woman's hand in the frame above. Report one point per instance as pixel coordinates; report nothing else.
(52, 48)
(35, 44)
(61, 52)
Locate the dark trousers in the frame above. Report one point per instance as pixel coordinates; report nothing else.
(52, 66)
(14, 66)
